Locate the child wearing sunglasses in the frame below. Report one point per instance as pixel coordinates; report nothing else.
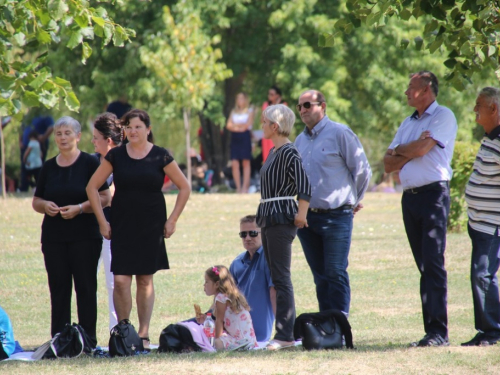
(233, 325)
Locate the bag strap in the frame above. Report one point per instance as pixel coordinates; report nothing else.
(345, 326)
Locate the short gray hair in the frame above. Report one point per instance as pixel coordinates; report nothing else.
(68, 121)
(281, 115)
(492, 94)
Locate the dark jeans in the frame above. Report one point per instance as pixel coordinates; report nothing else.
(66, 262)
(483, 276)
(277, 242)
(326, 243)
(425, 216)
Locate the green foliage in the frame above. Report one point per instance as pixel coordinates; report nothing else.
(28, 29)
(467, 31)
(184, 64)
(463, 159)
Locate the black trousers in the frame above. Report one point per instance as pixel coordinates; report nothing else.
(66, 262)
(277, 243)
(425, 216)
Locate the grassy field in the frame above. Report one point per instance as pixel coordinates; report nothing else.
(385, 309)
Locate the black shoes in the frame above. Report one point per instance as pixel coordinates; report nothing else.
(481, 339)
(431, 339)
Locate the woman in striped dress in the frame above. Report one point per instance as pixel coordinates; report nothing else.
(282, 179)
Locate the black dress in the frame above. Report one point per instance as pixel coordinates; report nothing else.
(139, 212)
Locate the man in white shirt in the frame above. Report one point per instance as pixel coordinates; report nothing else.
(422, 151)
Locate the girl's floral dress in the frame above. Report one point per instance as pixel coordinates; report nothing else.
(238, 328)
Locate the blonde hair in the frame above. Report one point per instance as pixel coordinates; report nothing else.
(228, 287)
(281, 115)
(247, 106)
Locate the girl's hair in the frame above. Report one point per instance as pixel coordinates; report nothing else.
(228, 287)
(141, 115)
(247, 103)
(110, 127)
(33, 134)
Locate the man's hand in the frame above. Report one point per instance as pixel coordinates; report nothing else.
(357, 208)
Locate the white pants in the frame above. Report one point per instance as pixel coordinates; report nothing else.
(106, 257)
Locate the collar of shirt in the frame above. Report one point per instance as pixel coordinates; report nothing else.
(430, 110)
(246, 258)
(494, 133)
(317, 128)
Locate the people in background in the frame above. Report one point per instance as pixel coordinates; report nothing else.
(239, 124)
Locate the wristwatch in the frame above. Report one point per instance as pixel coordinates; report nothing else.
(394, 152)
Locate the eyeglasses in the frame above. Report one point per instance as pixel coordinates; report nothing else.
(252, 233)
(306, 105)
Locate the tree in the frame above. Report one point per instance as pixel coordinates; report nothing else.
(467, 30)
(184, 63)
(27, 30)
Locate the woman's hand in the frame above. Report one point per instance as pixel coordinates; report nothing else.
(300, 220)
(105, 230)
(69, 212)
(201, 319)
(51, 208)
(169, 228)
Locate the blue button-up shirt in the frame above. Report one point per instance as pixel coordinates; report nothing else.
(335, 163)
(254, 280)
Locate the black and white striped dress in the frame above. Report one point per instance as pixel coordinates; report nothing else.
(282, 175)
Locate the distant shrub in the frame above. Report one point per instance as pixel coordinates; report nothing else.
(462, 163)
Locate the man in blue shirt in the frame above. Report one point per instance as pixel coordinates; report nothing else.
(252, 275)
(339, 173)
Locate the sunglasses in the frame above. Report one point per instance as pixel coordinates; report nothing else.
(306, 105)
(251, 233)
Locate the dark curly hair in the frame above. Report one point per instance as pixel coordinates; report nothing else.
(110, 127)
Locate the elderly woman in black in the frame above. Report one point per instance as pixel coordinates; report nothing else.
(71, 241)
(283, 180)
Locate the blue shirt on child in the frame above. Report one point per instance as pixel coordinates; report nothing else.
(254, 280)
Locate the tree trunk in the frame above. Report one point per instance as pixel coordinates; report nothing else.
(2, 156)
(213, 147)
(187, 126)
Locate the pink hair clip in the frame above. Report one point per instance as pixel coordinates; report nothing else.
(215, 270)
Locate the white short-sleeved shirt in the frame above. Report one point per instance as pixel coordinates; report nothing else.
(34, 159)
(435, 165)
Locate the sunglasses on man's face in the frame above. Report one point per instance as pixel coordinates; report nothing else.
(252, 233)
(306, 105)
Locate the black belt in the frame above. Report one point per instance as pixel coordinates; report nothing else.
(438, 185)
(323, 211)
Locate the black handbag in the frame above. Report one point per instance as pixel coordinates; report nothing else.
(323, 330)
(176, 338)
(325, 335)
(71, 342)
(124, 340)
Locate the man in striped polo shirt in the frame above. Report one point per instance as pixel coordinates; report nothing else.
(483, 198)
(422, 151)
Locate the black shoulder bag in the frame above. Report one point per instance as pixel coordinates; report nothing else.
(124, 340)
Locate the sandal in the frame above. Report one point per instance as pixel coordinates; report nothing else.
(278, 345)
(148, 342)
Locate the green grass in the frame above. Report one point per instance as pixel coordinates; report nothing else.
(385, 309)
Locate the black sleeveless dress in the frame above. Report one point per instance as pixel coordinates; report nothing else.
(139, 212)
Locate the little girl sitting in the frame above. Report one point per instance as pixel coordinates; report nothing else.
(233, 324)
